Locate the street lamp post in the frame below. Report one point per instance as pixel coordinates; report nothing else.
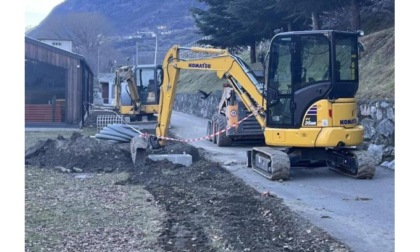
(156, 45)
(99, 46)
(137, 53)
(100, 41)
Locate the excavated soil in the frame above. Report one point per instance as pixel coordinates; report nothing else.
(207, 208)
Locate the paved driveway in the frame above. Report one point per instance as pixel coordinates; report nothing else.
(358, 212)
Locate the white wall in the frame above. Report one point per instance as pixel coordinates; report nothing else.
(62, 44)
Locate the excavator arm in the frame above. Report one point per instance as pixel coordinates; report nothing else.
(125, 73)
(225, 65)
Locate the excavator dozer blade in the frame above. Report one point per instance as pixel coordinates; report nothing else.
(138, 146)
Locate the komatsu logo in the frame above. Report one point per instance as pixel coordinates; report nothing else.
(196, 65)
(348, 121)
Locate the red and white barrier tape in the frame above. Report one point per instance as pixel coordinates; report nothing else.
(145, 135)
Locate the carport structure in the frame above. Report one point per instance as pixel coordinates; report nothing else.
(58, 85)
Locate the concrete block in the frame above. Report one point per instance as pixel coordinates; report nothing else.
(184, 159)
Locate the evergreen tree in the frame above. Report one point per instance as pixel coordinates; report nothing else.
(216, 23)
(310, 9)
(355, 14)
(238, 23)
(258, 21)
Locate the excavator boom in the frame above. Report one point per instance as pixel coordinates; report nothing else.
(126, 74)
(225, 65)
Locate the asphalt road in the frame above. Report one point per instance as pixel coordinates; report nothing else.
(358, 212)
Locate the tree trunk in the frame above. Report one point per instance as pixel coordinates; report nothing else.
(355, 15)
(252, 53)
(289, 26)
(316, 21)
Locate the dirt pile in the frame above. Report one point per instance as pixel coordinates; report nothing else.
(207, 208)
(88, 154)
(92, 155)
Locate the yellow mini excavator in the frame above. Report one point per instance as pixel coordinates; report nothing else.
(306, 106)
(137, 91)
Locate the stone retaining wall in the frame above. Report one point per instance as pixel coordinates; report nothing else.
(193, 104)
(378, 118)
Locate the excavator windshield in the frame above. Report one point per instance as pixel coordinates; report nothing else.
(148, 81)
(298, 61)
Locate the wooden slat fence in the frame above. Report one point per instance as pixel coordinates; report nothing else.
(43, 113)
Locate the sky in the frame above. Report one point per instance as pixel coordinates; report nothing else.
(37, 10)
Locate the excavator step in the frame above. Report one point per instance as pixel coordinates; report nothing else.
(272, 163)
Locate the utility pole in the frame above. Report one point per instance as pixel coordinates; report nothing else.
(137, 53)
(100, 41)
(156, 45)
(99, 46)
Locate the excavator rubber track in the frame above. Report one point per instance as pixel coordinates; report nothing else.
(357, 164)
(272, 163)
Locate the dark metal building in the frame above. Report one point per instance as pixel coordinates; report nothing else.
(58, 85)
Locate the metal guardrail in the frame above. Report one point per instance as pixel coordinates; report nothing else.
(102, 121)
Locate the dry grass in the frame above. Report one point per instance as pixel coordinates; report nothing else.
(191, 81)
(377, 66)
(33, 135)
(86, 212)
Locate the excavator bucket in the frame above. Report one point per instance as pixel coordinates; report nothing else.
(138, 146)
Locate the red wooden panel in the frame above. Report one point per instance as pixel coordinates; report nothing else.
(42, 113)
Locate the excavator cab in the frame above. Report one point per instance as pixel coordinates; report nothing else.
(311, 81)
(305, 67)
(148, 80)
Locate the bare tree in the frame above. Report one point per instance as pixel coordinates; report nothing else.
(88, 31)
